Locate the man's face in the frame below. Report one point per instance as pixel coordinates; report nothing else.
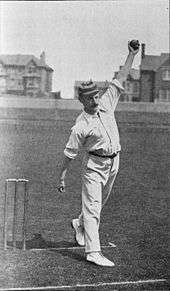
(90, 103)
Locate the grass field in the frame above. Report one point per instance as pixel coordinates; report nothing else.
(135, 218)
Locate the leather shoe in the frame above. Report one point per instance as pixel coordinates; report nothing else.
(79, 234)
(98, 259)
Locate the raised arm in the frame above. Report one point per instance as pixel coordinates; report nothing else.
(110, 98)
(133, 47)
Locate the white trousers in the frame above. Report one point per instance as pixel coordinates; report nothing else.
(97, 181)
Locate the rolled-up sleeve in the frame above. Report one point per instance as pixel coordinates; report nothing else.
(110, 98)
(75, 141)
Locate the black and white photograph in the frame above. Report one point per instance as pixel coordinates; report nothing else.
(84, 145)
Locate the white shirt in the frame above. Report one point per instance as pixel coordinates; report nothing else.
(97, 132)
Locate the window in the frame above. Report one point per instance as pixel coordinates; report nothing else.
(2, 82)
(31, 70)
(135, 88)
(31, 94)
(30, 82)
(12, 81)
(20, 69)
(1, 68)
(164, 95)
(166, 75)
(125, 97)
(127, 86)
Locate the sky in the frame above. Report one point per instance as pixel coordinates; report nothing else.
(83, 39)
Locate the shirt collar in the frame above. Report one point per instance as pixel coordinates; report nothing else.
(102, 108)
(90, 116)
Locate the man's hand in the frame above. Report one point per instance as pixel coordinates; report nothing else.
(65, 165)
(61, 186)
(133, 46)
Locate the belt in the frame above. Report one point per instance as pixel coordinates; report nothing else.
(106, 156)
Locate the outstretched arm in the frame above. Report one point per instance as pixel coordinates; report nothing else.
(133, 47)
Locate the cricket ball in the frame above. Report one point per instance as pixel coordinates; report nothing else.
(134, 44)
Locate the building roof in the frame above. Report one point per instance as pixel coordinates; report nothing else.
(22, 60)
(153, 63)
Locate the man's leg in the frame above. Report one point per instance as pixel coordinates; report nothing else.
(91, 208)
(112, 176)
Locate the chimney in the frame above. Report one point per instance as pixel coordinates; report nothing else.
(143, 50)
(42, 57)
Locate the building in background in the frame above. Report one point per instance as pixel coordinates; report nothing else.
(151, 83)
(25, 75)
(131, 86)
(154, 77)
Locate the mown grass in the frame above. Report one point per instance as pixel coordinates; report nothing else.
(135, 217)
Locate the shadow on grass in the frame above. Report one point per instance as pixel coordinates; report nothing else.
(63, 247)
(71, 254)
(38, 242)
